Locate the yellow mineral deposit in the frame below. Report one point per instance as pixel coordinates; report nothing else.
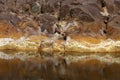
(24, 44)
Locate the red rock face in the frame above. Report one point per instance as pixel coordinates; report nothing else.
(34, 16)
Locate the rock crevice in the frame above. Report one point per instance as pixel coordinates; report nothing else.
(86, 17)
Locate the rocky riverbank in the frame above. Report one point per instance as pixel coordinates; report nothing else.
(48, 45)
(91, 25)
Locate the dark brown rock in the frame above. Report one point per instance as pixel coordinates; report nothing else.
(114, 28)
(50, 6)
(10, 17)
(85, 15)
(47, 22)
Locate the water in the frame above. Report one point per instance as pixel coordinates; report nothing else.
(60, 66)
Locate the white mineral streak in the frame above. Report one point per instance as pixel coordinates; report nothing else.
(105, 12)
(20, 40)
(106, 46)
(22, 43)
(4, 41)
(25, 44)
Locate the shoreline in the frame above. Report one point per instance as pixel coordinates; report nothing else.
(104, 46)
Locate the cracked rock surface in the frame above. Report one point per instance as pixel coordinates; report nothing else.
(59, 39)
(30, 17)
(56, 21)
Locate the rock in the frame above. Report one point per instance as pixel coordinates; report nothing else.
(50, 6)
(10, 17)
(114, 28)
(34, 16)
(47, 22)
(8, 30)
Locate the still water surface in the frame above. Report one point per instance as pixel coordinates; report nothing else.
(45, 66)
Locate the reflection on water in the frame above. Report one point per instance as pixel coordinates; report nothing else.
(89, 66)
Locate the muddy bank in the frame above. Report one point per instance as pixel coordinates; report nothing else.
(68, 67)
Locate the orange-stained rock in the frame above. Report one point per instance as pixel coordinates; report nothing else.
(82, 17)
(8, 31)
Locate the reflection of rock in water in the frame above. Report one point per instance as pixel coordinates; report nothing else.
(84, 67)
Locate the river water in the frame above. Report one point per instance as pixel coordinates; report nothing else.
(59, 66)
